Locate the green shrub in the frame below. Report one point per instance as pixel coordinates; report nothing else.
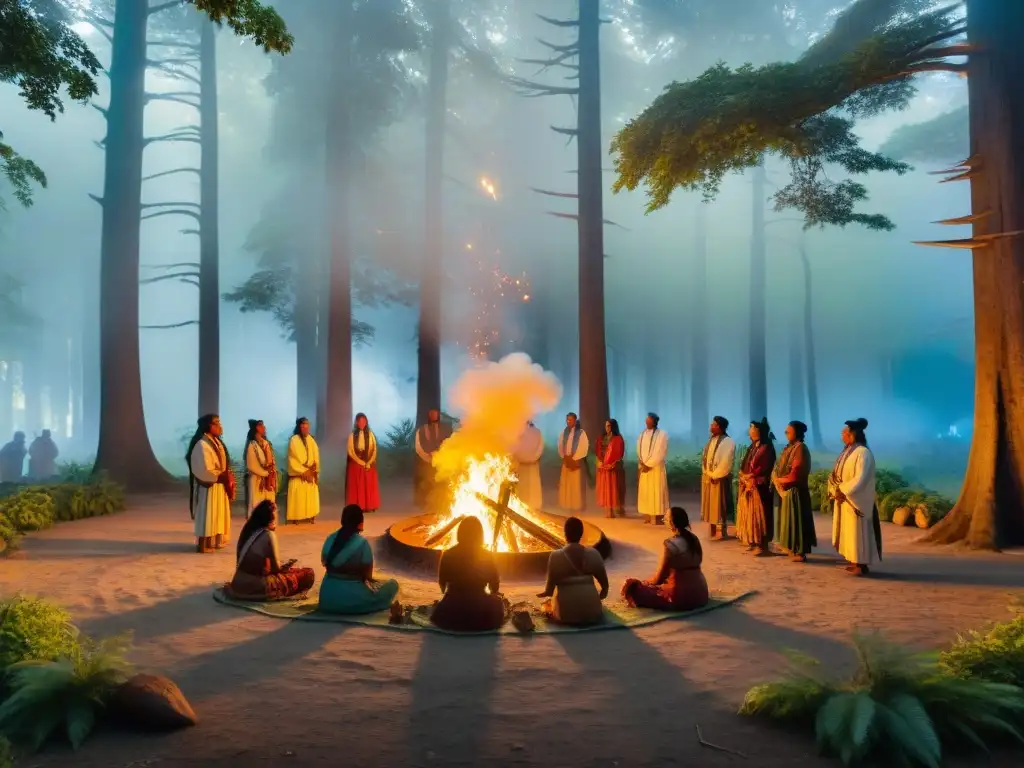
(96, 499)
(887, 481)
(68, 693)
(30, 509)
(892, 501)
(74, 472)
(7, 530)
(898, 705)
(33, 629)
(817, 482)
(6, 754)
(684, 473)
(996, 655)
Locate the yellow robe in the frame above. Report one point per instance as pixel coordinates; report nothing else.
(303, 495)
(572, 484)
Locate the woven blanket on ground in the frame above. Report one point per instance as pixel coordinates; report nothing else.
(617, 615)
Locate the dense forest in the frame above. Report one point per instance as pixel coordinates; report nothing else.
(405, 170)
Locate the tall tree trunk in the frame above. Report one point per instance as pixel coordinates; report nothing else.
(124, 451)
(757, 354)
(699, 388)
(593, 369)
(337, 425)
(307, 361)
(797, 370)
(810, 357)
(209, 222)
(990, 511)
(428, 383)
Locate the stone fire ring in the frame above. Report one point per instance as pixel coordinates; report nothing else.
(403, 542)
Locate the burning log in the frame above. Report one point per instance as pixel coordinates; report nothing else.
(505, 512)
(448, 528)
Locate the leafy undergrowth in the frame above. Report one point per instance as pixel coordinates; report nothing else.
(34, 629)
(27, 508)
(62, 696)
(996, 655)
(6, 754)
(899, 706)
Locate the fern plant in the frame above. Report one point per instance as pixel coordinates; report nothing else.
(400, 436)
(68, 694)
(898, 704)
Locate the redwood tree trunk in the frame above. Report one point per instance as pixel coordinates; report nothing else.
(593, 369)
(209, 219)
(699, 389)
(757, 354)
(307, 360)
(124, 451)
(335, 428)
(428, 383)
(990, 511)
(810, 359)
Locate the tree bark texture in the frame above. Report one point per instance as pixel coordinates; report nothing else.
(124, 451)
(337, 425)
(428, 383)
(209, 222)
(757, 354)
(699, 374)
(989, 513)
(593, 367)
(810, 356)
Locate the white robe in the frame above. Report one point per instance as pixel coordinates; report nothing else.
(527, 468)
(652, 494)
(303, 495)
(572, 485)
(257, 462)
(719, 463)
(853, 535)
(212, 506)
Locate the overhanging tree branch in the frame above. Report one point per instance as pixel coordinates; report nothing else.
(171, 212)
(171, 172)
(170, 276)
(185, 204)
(559, 22)
(531, 89)
(576, 217)
(551, 193)
(189, 137)
(173, 44)
(176, 265)
(178, 97)
(171, 325)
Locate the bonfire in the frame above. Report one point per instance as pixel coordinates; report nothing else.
(486, 490)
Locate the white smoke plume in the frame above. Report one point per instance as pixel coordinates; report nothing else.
(493, 403)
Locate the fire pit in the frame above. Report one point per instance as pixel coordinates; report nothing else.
(520, 537)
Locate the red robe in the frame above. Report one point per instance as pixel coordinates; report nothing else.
(611, 479)
(362, 485)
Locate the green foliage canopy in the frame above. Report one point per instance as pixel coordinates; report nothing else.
(42, 55)
(945, 138)
(727, 120)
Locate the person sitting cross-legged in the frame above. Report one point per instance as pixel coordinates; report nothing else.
(349, 587)
(678, 584)
(259, 572)
(468, 576)
(572, 570)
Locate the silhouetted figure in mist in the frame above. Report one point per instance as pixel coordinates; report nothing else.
(12, 459)
(42, 457)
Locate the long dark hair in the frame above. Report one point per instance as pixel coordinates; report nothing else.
(470, 534)
(681, 523)
(764, 430)
(857, 427)
(614, 424)
(261, 517)
(355, 424)
(799, 428)
(298, 423)
(351, 519)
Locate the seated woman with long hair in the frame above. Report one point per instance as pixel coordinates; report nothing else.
(468, 576)
(349, 586)
(572, 572)
(259, 572)
(678, 584)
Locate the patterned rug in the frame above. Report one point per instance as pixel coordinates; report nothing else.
(617, 615)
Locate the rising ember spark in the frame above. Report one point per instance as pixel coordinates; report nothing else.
(488, 186)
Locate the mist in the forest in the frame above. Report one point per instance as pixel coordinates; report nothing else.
(892, 321)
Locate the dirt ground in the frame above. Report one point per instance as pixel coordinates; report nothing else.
(272, 692)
